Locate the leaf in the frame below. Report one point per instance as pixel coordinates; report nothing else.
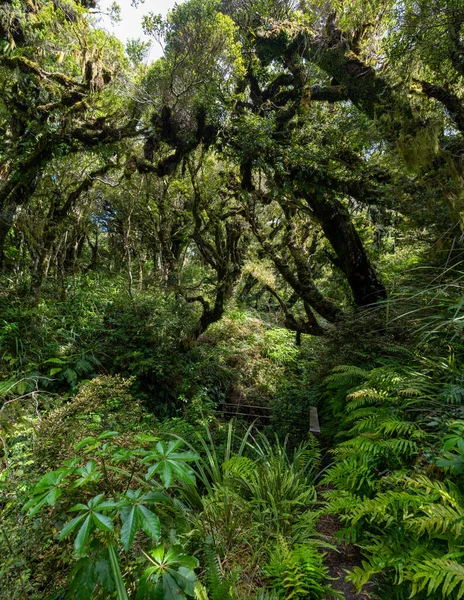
(129, 528)
(187, 579)
(82, 580)
(83, 535)
(95, 501)
(143, 437)
(108, 504)
(71, 525)
(36, 503)
(171, 588)
(50, 480)
(104, 574)
(103, 522)
(166, 474)
(55, 361)
(107, 434)
(149, 522)
(117, 576)
(85, 442)
(158, 553)
(79, 506)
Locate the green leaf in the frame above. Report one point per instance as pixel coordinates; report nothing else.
(82, 580)
(95, 501)
(71, 525)
(83, 535)
(143, 437)
(103, 522)
(186, 579)
(107, 434)
(129, 528)
(55, 361)
(55, 370)
(104, 574)
(49, 480)
(149, 522)
(166, 474)
(108, 505)
(157, 553)
(117, 576)
(171, 588)
(79, 506)
(37, 502)
(85, 442)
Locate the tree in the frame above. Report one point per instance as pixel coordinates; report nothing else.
(59, 80)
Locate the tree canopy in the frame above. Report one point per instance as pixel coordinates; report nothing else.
(313, 118)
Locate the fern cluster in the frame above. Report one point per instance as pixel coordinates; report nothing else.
(297, 573)
(256, 503)
(402, 424)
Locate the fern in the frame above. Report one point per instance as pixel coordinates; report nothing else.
(219, 587)
(444, 572)
(239, 466)
(266, 595)
(297, 573)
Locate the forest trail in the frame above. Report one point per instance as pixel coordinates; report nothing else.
(341, 560)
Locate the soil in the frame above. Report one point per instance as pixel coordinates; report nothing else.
(341, 560)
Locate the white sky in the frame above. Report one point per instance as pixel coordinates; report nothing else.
(130, 26)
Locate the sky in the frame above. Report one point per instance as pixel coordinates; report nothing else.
(131, 18)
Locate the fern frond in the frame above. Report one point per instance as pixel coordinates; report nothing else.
(240, 466)
(437, 520)
(445, 573)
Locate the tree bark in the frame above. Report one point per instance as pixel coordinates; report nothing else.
(351, 256)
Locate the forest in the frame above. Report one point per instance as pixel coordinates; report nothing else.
(202, 253)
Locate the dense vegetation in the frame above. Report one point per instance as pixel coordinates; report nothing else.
(268, 218)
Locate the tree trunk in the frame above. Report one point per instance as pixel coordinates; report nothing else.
(6, 222)
(351, 257)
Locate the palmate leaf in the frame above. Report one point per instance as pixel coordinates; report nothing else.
(170, 577)
(89, 473)
(46, 491)
(168, 463)
(91, 518)
(135, 516)
(83, 535)
(129, 528)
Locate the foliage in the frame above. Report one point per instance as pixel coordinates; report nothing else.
(265, 220)
(255, 490)
(402, 426)
(297, 573)
(112, 520)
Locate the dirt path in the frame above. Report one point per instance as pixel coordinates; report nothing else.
(341, 560)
